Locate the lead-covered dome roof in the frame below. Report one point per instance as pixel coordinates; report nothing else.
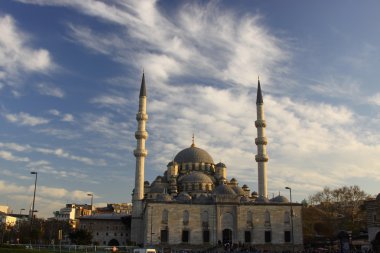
(193, 155)
(196, 177)
(224, 189)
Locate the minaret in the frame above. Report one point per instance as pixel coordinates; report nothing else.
(140, 153)
(141, 135)
(261, 142)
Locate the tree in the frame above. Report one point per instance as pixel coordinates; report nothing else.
(81, 237)
(344, 204)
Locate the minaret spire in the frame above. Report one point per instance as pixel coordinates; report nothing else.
(141, 135)
(261, 142)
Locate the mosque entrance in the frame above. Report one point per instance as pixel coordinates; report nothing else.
(227, 236)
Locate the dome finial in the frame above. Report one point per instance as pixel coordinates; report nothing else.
(193, 141)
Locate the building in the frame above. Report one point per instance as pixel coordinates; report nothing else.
(373, 217)
(113, 229)
(193, 204)
(122, 208)
(7, 220)
(72, 212)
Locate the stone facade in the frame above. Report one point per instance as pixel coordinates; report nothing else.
(107, 229)
(373, 217)
(246, 224)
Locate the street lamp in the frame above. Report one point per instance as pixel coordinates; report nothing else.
(34, 196)
(291, 213)
(92, 199)
(34, 199)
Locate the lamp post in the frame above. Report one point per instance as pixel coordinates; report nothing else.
(34, 199)
(291, 213)
(92, 199)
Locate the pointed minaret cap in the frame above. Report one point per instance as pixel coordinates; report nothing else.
(259, 99)
(142, 88)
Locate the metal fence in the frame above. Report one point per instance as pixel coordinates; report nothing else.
(75, 248)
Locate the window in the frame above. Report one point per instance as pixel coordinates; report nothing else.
(267, 217)
(185, 217)
(286, 217)
(107, 234)
(97, 233)
(268, 236)
(165, 216)
(164, 236)
(185, 236)
(287, 236)
(247, 236)
(206, 236)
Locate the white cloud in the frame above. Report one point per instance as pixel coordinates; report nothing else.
(374, 99)
(16, 56)
(6, 155)
(68, 117)
(109, 100)
(50, 90)
(25, 119)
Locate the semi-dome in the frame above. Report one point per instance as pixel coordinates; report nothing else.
(262, 199)
(196, 177)
(224, 189)
(280, 199)
(193, 155)
(239, 191)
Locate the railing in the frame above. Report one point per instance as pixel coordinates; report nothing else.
(72, 248)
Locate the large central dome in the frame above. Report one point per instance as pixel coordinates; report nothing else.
(193, 155)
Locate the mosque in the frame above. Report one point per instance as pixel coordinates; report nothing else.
(194, 204)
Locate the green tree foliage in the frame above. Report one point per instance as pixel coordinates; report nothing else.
(81, 237)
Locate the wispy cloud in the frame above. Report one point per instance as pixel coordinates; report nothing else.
(25, 119)
(6, 155)
(50, 90)
(16, 56)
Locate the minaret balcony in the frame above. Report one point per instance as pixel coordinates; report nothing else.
(261, 158)
(141, 116)
(141, 135)
(260, 123)
(140, 152)
(261, 141)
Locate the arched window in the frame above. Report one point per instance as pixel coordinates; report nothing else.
(267, 217)
(186, 217)
(287, 217)
(249, 219)
(204, 219)
(165, 216)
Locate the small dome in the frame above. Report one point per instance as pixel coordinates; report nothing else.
(164, 197)
(202, 199)
(280, 199)
(220, 165)
(378, 197)
(254, 194)
(157, 187)
(244, 199)
(223, 189)
(193, 155)
(245, 187)
(183, 197)
(146, 183)
(262, 199)
(158, 179)
(196, 177)
(239, 191)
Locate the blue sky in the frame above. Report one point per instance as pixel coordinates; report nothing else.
(70, 72)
